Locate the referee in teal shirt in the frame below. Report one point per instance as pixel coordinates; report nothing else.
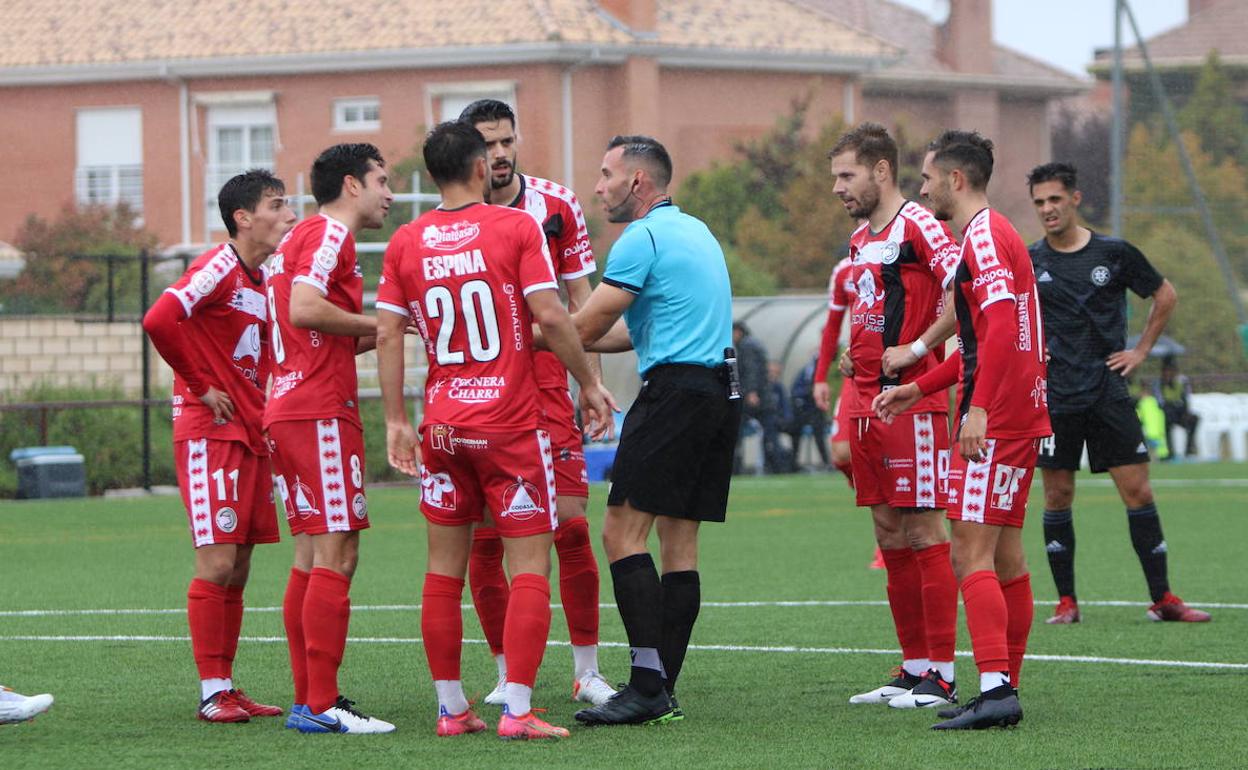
(666, 276)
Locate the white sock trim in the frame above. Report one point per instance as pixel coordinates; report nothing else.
(584, 659)
(519, 699)
(451, 699)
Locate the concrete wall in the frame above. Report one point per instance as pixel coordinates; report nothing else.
(68, 352)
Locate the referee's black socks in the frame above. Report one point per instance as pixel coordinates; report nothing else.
(639, 596)
(682, 598)
(1059, 544)
(1150, 547)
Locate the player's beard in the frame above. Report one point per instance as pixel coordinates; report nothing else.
(499, 183)
(866, 203)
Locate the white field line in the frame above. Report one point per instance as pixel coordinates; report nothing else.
(721, 605)
(782, 650)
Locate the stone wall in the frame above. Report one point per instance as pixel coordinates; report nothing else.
(68, 352)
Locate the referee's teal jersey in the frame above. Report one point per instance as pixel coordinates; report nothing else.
(683, 310)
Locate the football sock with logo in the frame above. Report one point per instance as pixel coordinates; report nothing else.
(1020, 609)
(940, 605)
(1150, 547)
(639, 597)
(488, 584)
(326, 615)
(986, 620)
(233, 626)
(578, 586)
(905, 599)
(527, 628)
(442, 625)
(292, 617)
(1059, 543)
(205, 614)
(682, 599)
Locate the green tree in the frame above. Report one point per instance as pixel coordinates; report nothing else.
(1215, 115)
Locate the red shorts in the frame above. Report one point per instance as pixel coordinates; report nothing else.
(994, 491)
(228, 492)
(558, 418)
(466, 471)
(842, 423)
(899, 464)
(320, 475)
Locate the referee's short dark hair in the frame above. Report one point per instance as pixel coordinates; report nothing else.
(450, 150)
(1057, 171)
(245, 191)
(649, 150)
(968, 151)
(488, 111)
(870, 143)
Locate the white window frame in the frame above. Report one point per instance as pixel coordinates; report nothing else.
(343, 107)
(440, 93)
(244, 116)
(124, 180)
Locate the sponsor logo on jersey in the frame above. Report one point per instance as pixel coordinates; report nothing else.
(203, 282)
(326, 258)
(442, 438)
(517, 329)
(1023, 305)
(286, 383)
(248, 345)
(898, 462)
(903, 484)
(992, 275)
(305, 500)
(521, 501)
(1100, 275)
(1040, 394)
(581, 247)
(451, 237)
(476, 390)
(1005, 483)
(1044, 277)
(251, 302)
(227, 520)
(461, 263)
(890, 253)
(877, 253)
(865, 289)
(359, 506)
(437, 490)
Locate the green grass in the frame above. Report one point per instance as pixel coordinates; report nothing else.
(131, 703)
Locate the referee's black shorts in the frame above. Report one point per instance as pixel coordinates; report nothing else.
(677, 444)
(1111, 430)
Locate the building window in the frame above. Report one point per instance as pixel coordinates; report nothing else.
(239, 138)
(357, 114)
(446, 100)
(110, 157)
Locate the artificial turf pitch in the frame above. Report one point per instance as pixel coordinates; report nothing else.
(792, 625)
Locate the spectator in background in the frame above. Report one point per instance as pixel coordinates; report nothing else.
(807, 412)
(1174, 394)
(752, 371)
(777, 418)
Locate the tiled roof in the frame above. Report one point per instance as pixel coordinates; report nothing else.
(43, 33)
(1221, 26)
(915, 35)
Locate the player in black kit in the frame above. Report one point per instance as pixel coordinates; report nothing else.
(1082, 278)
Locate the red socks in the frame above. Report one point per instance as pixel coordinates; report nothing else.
(578, 580)
(326, 614)
(940, 601)
(292, 616)
(488, 584)
(986, 619)
(1020, 606)
(233, 627)
(205, 613)
(442, 624)
(527, 627)
(905, 598)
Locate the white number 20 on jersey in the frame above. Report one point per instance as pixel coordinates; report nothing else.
(476, 305)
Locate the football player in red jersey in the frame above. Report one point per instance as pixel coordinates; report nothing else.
(1002, 416)
(840, 294)
(211, 327)
(557, 211)
(900, 255)
(473, 278)
(316, 295)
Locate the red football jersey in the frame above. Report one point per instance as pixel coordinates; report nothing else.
(313, 372)
(996, 267)
(559, 213)
(226, 326)
(840, 294)
(898, 274)
(463, 276)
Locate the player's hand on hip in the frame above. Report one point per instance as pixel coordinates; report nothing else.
(845, 364)
(972, 438)
(897, 358)
(1125, 361)
(822, 395)
(403, 448)
(598, 407)
(894, 401)
(220, 404)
